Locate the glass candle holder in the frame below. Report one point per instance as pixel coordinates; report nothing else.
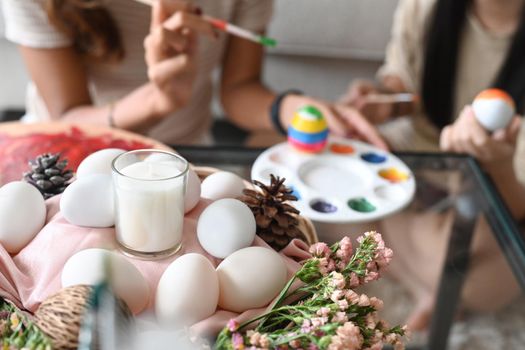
(149, 190)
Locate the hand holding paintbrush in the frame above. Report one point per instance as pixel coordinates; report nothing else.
(231, 29)
(171, 54)
(376, 105)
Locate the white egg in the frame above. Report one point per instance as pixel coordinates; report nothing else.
(225, 226)
(250, 278)
(193, 191)
(88, 201)
(493, 112)
(98, 162)
(22, 215)
(88, 267)
(188, 291)
(222, 184)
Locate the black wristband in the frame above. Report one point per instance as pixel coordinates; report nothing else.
(275, 109)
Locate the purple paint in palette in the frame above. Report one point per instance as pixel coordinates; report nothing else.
(373, 158)
(323, 206)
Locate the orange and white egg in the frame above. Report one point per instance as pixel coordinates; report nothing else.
(494, 109)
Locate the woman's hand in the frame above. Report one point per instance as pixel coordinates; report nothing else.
(170, 53)
(342, 120)
(357, 97)
(467, 135)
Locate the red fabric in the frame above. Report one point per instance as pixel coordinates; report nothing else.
(74, 145)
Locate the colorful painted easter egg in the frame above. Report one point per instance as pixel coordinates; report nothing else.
(308, 131)
(494, 109)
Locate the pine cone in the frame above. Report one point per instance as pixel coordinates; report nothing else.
(277, 222)
(48, 174)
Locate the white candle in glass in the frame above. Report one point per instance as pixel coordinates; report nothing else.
(149, 202)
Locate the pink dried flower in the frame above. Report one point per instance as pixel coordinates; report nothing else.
(384, 324)
(319, 321)
(344, 253)
(352, 297)
(363, 300)
(406, 330)
(376, 346)
(391, 338)
(376, 237)
(306, 327)
(337, 295)
(237, 341)
(341, 265)
(342, 304)
(371, 276)
(348, 337)
(320, 250)
(376, 303)
(264, 342)
(383, 257)
(232, 325)
(313, 347)
(295, 344)
(377, 337)
(331, 265)
(326, 265)
(371, 266)
(323, 311)
(340, 317)
(255, 337)
(354, 280)
(338, 280)
(371, 320)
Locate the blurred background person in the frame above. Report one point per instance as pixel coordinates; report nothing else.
(446, 52)
(86, 60)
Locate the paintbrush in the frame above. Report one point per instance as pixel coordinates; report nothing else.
(231, 29)
(391, 98)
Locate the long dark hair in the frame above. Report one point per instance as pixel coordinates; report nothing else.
(441, 56)
(90, 26)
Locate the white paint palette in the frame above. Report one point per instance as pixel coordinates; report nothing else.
(349, 182)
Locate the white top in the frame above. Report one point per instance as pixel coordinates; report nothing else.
(27, 24)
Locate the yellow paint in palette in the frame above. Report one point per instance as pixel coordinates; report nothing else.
(393, 175)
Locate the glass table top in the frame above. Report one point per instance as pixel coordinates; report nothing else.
(459, 256)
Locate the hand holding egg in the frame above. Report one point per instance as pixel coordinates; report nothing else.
(467, 135)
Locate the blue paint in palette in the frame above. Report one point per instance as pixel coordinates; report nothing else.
(373, 158)
(295, 192)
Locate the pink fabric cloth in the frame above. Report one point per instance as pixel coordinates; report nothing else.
(34, 273)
